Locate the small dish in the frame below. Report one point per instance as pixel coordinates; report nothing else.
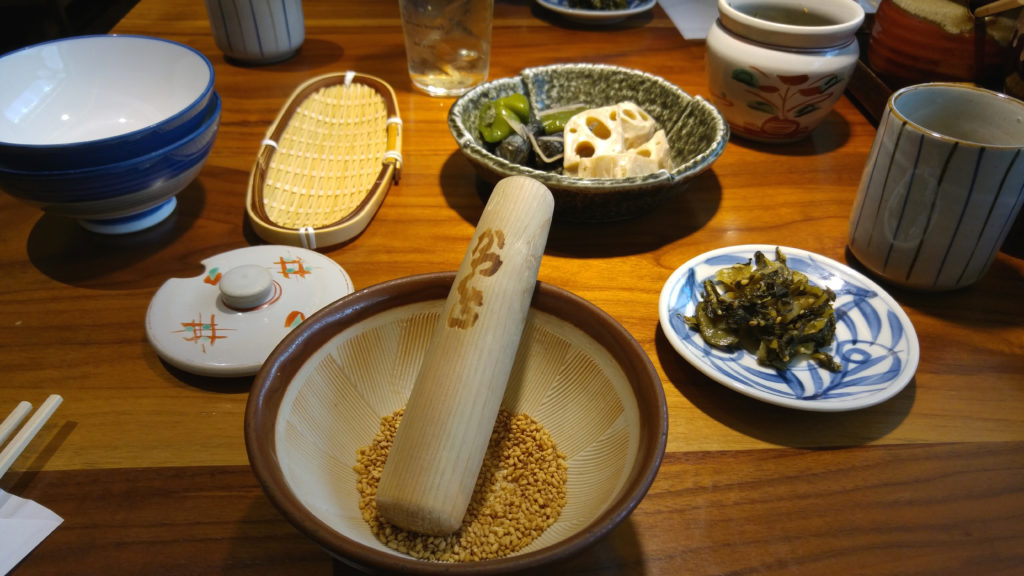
(875, 340)
(597, 16)
(697, 135)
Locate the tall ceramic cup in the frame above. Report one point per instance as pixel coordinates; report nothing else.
(942, 186)
(447, 43)
(777, 67)
(255, 32)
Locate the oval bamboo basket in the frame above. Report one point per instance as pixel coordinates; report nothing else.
(327, 162)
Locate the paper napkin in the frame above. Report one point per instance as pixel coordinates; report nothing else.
(23, 525)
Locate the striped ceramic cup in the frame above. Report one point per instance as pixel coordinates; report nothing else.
(942, 186)
(257, 31)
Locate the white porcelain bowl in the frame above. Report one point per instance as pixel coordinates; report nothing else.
(91, 100)
(126, 195)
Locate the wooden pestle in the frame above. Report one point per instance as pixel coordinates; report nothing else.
(432, 466)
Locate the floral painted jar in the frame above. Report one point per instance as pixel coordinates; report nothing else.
(777, 67)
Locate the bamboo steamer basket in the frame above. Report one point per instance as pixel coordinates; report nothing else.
(327, 162)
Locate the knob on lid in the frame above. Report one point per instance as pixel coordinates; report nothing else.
(245, 287)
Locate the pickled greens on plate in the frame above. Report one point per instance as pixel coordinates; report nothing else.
(768, 309)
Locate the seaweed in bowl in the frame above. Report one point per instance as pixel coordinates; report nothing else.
(696, 133)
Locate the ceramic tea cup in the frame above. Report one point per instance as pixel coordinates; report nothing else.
(942, 186)
(257, 32)
(777, 67)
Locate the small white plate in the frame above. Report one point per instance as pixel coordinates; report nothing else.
(874, 340)
(597, 16)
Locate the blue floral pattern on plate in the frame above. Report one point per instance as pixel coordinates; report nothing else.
(875, 341)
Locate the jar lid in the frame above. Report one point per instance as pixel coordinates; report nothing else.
(226, 321)
(793, 23)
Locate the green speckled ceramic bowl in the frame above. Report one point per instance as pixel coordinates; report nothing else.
(697, 134)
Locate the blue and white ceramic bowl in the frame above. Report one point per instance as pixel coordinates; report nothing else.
(120, 197)
(91, 100)
(874, 341)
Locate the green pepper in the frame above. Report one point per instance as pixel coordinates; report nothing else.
(518, 104)
(492, 124)
(555, 121)
(495, 123)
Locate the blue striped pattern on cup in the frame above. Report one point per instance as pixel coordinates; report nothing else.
(257, 31)
(942, 186)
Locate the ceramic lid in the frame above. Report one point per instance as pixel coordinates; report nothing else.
(226, 321)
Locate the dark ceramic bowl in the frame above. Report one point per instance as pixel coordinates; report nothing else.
(320, 396)
(912, 47)
(697, 134)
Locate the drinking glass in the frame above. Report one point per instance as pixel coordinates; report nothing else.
(447, 43)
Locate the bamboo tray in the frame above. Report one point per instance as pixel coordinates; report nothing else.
(327, 162)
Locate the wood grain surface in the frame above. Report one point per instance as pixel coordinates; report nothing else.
(147, 464)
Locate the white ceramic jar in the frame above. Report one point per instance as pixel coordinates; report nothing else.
(777, 67)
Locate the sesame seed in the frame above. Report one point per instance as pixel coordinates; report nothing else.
(519, 493)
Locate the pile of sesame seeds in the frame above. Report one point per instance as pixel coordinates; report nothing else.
(519, 493)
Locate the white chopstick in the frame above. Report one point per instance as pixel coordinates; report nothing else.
(13, 419)
(997, 7)
(21, 440)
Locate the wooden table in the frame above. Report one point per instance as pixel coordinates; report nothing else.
(147, 464)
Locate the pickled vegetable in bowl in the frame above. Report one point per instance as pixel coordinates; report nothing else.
(617, 141)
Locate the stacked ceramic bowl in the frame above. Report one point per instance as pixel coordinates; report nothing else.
(106, 129)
